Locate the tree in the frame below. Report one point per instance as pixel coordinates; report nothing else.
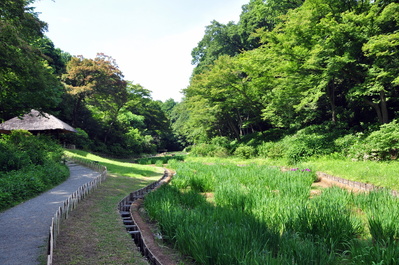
(382, 51)
(261, 14)
(99, 84)
(219, 39)
(26, 79)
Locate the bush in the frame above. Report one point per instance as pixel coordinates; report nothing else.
(220, 141)
(345, 143)
(384, 142)
(18, 186)
(11, 158)
(313, 140)
(245, 152)
(29, 165)
(80, 139)
(209, 150)
(271, 150)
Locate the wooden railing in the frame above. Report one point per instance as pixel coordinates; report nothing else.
(72, 201)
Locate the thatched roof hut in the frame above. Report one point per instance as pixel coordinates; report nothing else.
(35, 122)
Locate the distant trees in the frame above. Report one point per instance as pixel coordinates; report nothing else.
(294, 64)
(112, 115)
(119, 116)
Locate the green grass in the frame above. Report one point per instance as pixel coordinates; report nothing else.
(383, 174)
(118, 166)
(261, 215)
(378, 173)
(94, 233)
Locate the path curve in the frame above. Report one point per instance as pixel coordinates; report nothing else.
(24, 229)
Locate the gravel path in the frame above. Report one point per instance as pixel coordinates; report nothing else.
(24, 228)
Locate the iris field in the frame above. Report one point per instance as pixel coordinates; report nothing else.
(252, 214)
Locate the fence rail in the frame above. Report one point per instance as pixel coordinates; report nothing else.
(125, 206)
(70, 204)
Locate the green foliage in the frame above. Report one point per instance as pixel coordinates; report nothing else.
(209, 150)
(159, 159)
(245, 152)
(80, 139)
(260, 215)
(26, 79)
(24, 149)
(271, 150)
(30, 166)
(303, 63)
(385, 141)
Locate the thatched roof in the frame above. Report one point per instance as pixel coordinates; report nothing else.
(35, 122)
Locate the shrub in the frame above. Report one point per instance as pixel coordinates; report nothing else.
(245, 152)
(11, 158)
(29, 165)
(384, 142)
(345, 143)
(80, 139)
(313, 140)
(209, 150)
(220, 141)
(271, 150)
(17, 186)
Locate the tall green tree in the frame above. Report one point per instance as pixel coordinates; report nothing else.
(98, 84)
(26, 79)
(380, 86)
(219, 39)
(262, 14)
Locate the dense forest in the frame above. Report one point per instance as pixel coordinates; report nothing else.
(291, 78)
(112, 115)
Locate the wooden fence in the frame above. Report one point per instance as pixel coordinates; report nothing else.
(131, 226)
(71, 203)
(354, 184)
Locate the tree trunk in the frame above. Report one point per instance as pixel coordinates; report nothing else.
(384, 108)
(331, 99)
(376, 107)
(381, 109)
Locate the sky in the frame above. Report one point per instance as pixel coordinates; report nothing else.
(151, 40)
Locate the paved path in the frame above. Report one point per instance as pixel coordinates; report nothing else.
(24, 229)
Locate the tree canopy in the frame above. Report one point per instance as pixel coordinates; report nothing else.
(297, 63)
(27, 77)
(284, 66)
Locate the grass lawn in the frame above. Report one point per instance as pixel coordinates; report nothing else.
(94, 233)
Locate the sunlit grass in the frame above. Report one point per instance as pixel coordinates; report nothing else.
(382, 174)
(118, 167)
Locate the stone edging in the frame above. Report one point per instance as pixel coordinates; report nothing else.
(354, 184)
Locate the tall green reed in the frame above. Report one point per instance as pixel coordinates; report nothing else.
(261, 215)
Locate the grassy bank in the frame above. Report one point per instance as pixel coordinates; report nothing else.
(94, 233)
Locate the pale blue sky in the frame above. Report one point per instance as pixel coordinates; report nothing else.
(151, 40)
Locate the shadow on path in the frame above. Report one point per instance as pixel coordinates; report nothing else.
(24, 228)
